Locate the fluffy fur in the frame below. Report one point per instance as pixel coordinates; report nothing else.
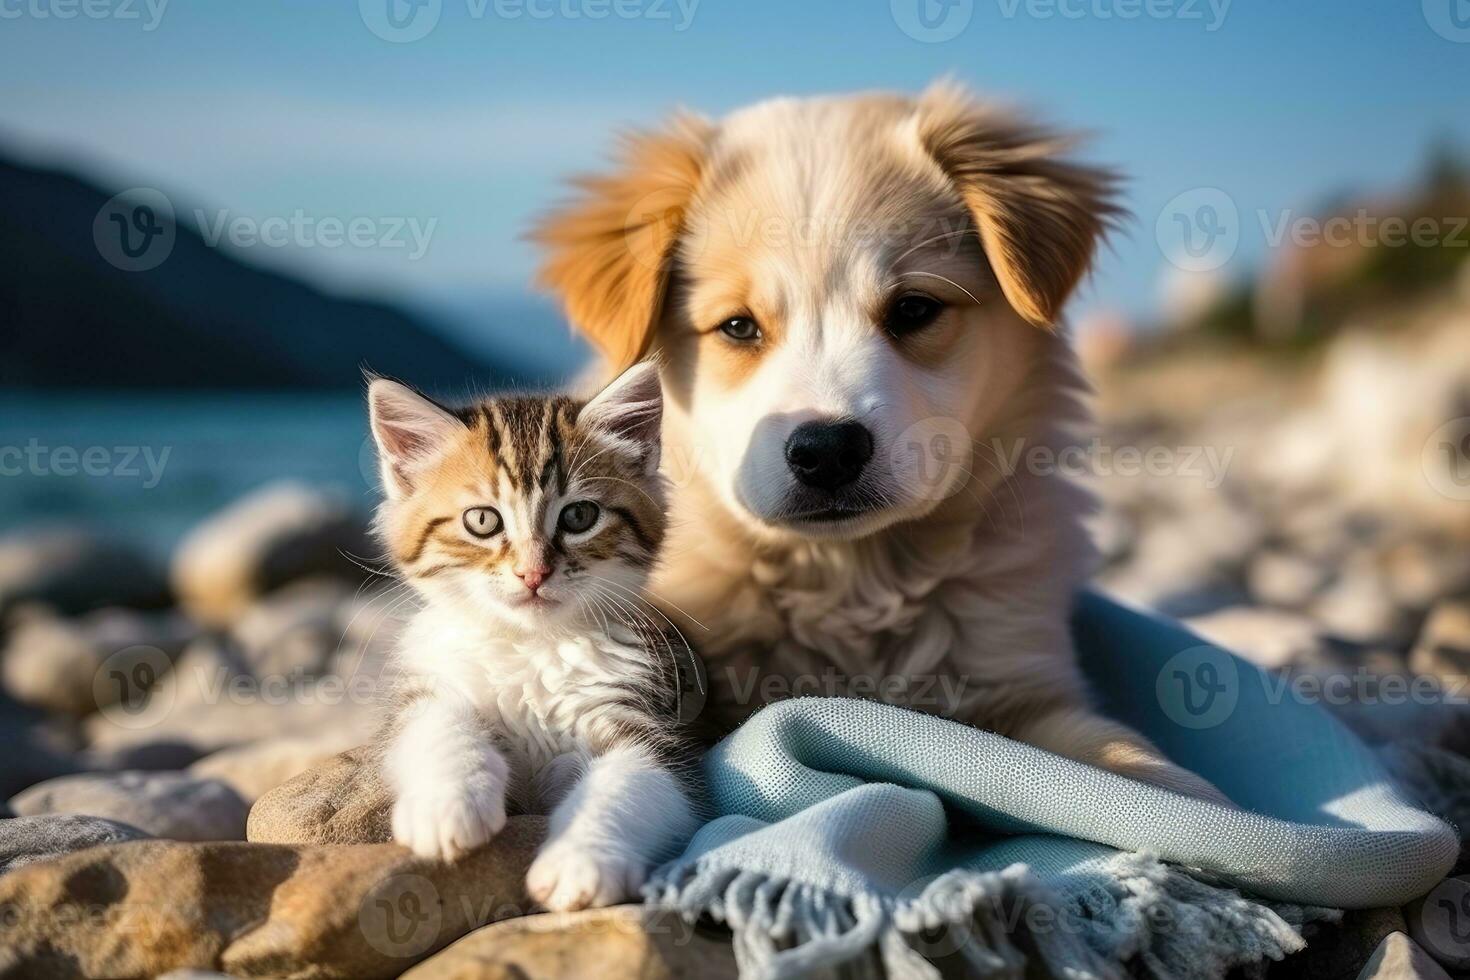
(937, 580)
(533, 676)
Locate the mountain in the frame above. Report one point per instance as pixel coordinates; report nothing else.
(72, 314)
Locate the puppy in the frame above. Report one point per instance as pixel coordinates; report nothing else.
(856, 301)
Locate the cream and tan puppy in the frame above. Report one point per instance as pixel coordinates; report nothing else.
(855, 302)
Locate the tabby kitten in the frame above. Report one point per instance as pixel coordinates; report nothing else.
(531, 674)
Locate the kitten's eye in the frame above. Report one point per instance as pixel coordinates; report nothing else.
(910, 313)
(482, 522)
(741, 329)
(578, 516)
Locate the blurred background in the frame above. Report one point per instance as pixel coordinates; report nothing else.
(214, 216)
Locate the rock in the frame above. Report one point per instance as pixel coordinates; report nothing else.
(278, 534)
(1398, 958)
(254, 910)
(1443, 648)
(1437, 924)
(173, 805)
(1286, 579)
(342, 801)
(26, 840)
(159, 756)
(1269, 638)
(31, 753)
(77, 666)
(74, 570)
(1338, 952)
(294, 630)
(212, 701)
(254, 769)
(1422, 572)
(627, 942)
(1359, 607)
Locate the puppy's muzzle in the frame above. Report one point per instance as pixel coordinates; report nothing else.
(828, 455)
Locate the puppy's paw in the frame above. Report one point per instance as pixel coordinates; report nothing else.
(447, 822)
(566, 876)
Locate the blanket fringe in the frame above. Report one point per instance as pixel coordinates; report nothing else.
(1166, 923)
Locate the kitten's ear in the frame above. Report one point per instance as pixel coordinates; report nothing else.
(410, 431)
(631, 409)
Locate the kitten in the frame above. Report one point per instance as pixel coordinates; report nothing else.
(528, 526)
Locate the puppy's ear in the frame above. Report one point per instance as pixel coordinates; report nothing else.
(1039, 214)
(610, 249)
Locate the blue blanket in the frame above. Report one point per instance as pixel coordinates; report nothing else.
(862, 835)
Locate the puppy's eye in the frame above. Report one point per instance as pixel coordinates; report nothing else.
(911, 312)
(577, 516)
(482, 522)
(741, 329)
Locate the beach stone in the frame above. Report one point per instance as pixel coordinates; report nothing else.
(1339, 952)
(1436, 924)
(278, 534)
(74, 570)
(1269, 638)
(1398, 958)
(32, 752)
(254, 769)
(1420, 573)
(212, 701)
(295, 629)
(253, 910)
(626, 942)
(55, 663)
(1443, 647)
(1359, 608)
(171, 805)
(341, 801)
(1286, 579)
(26, 840)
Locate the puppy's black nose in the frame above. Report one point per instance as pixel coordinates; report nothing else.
(828, 455)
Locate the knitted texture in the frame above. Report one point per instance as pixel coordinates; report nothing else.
(859, 835)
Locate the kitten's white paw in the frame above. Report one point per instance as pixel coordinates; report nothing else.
(565, 877)
(446, 822)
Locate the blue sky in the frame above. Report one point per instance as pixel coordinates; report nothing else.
(280, 107)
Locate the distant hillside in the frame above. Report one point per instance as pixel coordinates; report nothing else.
(201, 319)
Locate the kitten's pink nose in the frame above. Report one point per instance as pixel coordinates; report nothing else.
(533, 577)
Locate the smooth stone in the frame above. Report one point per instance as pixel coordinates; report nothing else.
(1338, 952)
(1442, 650)
(75, 666)
(1286, 579)
(26, 840)
(171, 805)
(1359, 608)
(32, 754)
(73, 570)
(251, 910)
(341, 801)
(294, 630)
(626, 942)
(1398, 958)
(1436, 923)
(1270, 638)
(212, 701)
(254, 769)
(278, 534)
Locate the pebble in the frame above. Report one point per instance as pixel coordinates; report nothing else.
(172, 805)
